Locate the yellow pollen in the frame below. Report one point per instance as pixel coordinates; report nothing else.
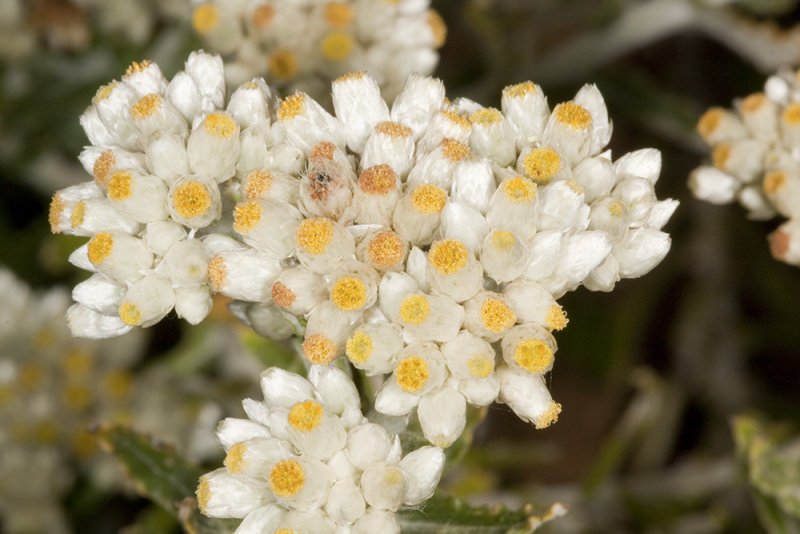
(449, 256)
(78, 214)
(338, 14)
(378, 180)
(497, 316)
(283, 65)
(359, 347)
(119, 187)
(77, 397)
(791, 115)
(486, 117)
(533, 355)
(773, 181)
(287, 478)
(428, 198)
(258, 183)
(456, 119)
(100, 247)
(146, 106)
(480, 365)
(454, 150)
(220, 125)
(393, 129)
(305, 416)
(205, 18)
(720, 155)
(234, 460)
(314, 235)
(357, 75)
(322, 152)
(262, 16)
(411, 373)
(572, 115)
(282, 295)
(118, 384)
(319, 349)
(337, 46)
(556, 318)
(191, 199)
(502, 240)
(541, 164)
(385, 250)
(284, 531)
(752, 103)
(102, 167)
(615, 209)
(438, 28)
(130, 313)
(135, 67)
(519, 189)
(575, 186)
(246, 216)
(54, 215)
(104, 92)
(519, 90)
(349, 293)
(549, 417)
(203, 493)
(414, 309)
(217, 273)
(292, 106)
(710, 121)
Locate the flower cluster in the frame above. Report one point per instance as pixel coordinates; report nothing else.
(428, 240)
(755, 159)
(308, 43)
(307, 460)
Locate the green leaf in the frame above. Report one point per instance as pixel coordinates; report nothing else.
(162, 476)
(447, 515)
(772, 464)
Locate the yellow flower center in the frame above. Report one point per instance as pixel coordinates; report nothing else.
(78, 214)
(282, 295)
(349, 293)
(385, 250)
(305, 416)
(337, 46)
(102, 167)
(203, 493)
(753, 103)
(549, 417)
(454, 150)
(502, 240)
(412, 373)
(359, 347)
(262, 16)
(258, 183)
(220, 125)
(572, 115)
(393, 129)
(104, 92)
(205, 18)
(117, 384)
(449, 256)
(519, 90)
(773, 181)
(378, 180)
(130, 313)
(314, 235)
(486, 116)
(119, 188)
(338, 14)
(710, 121)
(615, 208)
(77, 397)
(791, 115)
(496, 315)
(541, 164)
(287, 478)
(428, 198)
(283, 65)
(136, 66)
(234, 460)
(146, 106)
(100, 247)
(217, 273)
(414, 309)
(533, 355)
(246, 216)
(438, 28)
(480, 365)
(319, 349)
(519, 189)
(191, 199)
(720, 155)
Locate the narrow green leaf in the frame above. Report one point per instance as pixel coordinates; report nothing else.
(447, 515)
(162, 476)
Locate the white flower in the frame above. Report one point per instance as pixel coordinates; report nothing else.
(306, 458)
(261, 39)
